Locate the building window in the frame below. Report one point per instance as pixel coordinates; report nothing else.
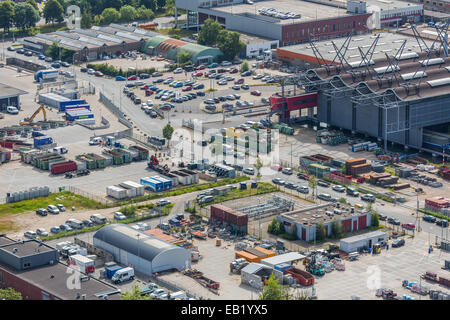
(45, 296)
(354, 24)
(27, 265)
(334, 27)
(303, 32)
(1, 277)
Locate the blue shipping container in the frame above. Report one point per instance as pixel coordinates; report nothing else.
(37, 134)
(282, 267)
(167, 184)
(42, 141)
(110, 271)
(64, 104)
(75, 106)
(152, 184)
(79, 114)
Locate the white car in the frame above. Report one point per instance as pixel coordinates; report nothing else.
(12, 110)
(338, 188)
(61, 207)
(52, 209)
(162, 202)
(226, 63)
(249, 171)
(41, 232)
(158, 293)
(178, 70)
(30, 234)
(90, 71)
(150, 103)
(119, 216)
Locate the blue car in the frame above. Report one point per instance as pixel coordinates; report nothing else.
(178, 85)
(65, 227)
(55, 230)
(41, 57)
(119, 78)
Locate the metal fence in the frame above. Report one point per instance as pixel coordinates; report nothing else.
(85, 194)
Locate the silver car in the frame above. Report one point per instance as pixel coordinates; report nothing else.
(41, 232)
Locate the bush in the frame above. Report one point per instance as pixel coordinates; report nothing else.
(320, 232)
(111, 71)
(375, 220)
(275, 227)
(336, 229)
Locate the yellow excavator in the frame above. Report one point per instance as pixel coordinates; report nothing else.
(29, 121)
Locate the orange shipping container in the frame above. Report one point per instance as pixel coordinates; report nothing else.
(247, 256)
(268, 253)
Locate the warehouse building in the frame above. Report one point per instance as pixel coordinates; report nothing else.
(258, 46)
(393, 99)
(145, 253)
(316, 19)
(169, 48)
(33, 269)
(256, 274)
(367, 240)
(10, 96)
(306, 219)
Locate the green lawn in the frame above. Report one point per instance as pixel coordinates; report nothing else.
(176, 32)
(66, 198)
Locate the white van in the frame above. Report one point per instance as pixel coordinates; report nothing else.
(98, 219)
(181, 295)
(95, 141)
(123, 275)
(12, 110)
(75, 224)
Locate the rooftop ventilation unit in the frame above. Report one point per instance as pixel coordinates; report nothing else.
(439, 82)
(386, 69)
(432, 62)
(413, 75)
(407, 55)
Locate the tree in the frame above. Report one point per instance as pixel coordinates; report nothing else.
(244, 66)
(86, 20)
(134, 294)
(6, 15)
(320, 232)
(143, 13)
(10, 294)
(294, 231)
(150, 4)
(127, 13)
(161, 3)
(312, 183)
(110, 15)
(33, 4)
(275, 227)
(53, 51)
(53, 11)
(209, 32)
(375, 220)
(25, 16)
(229, 43)
(258, 165)
(183, 57)
(116, 4)
(167, 132)
(336, 229)
(274, 290)
(97, 6)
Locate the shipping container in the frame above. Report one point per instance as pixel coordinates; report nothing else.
(82, 263)
(152, 184)
(73, 115)
(303, 277)
(247, 256)
(62, 167)
(268, 253)
(138, 187)
(111, 270)
(116, 192)
(41, 141)
(167, 184)
(282, 267)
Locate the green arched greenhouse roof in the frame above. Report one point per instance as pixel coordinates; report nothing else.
(196, 50)
(154, 42)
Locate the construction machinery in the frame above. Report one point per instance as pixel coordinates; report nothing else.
(414, 287)
(153, 163)
(376, 249)
(29, 121)
(386, 294)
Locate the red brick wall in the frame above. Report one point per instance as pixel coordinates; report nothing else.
(293, 33)
(28, 290)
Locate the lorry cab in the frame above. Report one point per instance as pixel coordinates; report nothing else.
(95, 141)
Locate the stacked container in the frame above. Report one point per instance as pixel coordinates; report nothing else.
(62, 167)
(116, 192)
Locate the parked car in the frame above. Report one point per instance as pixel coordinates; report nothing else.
(41, 232)
(408, 226)
(158, 293)
(303, 189)
(338, 188)
(287, 171)
(10, 48)
(382, 217)
(162, 202)
(119, 216)
(56, 65)
(55, 230)
(442, 222)
(28, 53)
(90, 71)
(52, 209)
(98, 74)
(41, 212)
(65, 64)
(133, 77)
(249, 171)
(394, 221)
(245, 87)
(61, 208)
(87, 223)
(368, 197)
(398, 243)
(30, 234)
(255, 93)
(65, 227)
(82, 69)
(429, 218)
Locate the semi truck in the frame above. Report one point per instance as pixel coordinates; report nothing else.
(46, 75)
(82, 263)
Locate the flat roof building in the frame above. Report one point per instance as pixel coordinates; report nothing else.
(366, 240)
(10, 96)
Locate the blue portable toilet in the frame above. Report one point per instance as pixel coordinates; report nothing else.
(243, 186)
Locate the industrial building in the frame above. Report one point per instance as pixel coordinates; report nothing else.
(306, 219)
(393, 98)
(258, 46)
(256, 274)
(316, 20)
(10, 96)
(169, 48)
(33, 269)
(367, 240)
(145, 253)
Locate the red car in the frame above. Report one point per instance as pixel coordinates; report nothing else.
(144, 87)
(132, 77)
(408, 226)
(255, 93)
(148, 93)
(188, 88)
(200, 67)
(98, 74)
(234, 70)
(239, 81)
(197, 74)
(165, 107)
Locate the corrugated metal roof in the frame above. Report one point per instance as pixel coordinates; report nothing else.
(364, 236)
(253, 267)
(283, 258)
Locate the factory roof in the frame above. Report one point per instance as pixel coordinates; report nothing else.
(309, 11)
(248, 38)
(4, 240)
(26, 248)
(375, 4)
(253, 268)
(364, 236)
(318, 214)
(134, 241)
(8, 91)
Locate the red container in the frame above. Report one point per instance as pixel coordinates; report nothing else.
(444, 281)
(347, 225)
(63, 167)
(7, 144)
(242, 220)
(303, 277)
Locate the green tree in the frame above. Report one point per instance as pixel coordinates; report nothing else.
(6, 15)
(67, 55)
(97, 6)
(183, 57)
(294, 232)
(33, 4)
(143, 13)
(258, 165)
(110, 15)
(229, 43)
(161, 3)
(274, 290)
(320, 232)
(53, 51)
(127, 13)
(134, 294)
(150, 4)
(10, 294)
(209, 32)
(312, 183)
(53, 11)
(167, 133)
(244, 66)
(375, 220)
(116, 4)
(336, 229)
(25, 16)
(86, 20)
(275, 227)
